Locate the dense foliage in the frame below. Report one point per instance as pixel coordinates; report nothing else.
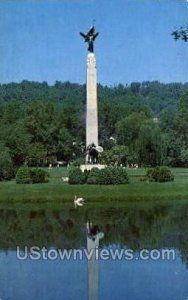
(160, 174)
(141, 123)
(6, 165)
(108, 175)
(76, 176)
(23, 175)
(181, 33)
(38, 175)
(93, 176)
(26, 175)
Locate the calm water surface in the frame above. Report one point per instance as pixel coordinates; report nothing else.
(134, 227)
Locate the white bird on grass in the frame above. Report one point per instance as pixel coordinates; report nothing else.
(78, 201)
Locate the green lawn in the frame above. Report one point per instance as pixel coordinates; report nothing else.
(56, 191)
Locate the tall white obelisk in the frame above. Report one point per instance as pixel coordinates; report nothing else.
(92, 148)
(91, 104)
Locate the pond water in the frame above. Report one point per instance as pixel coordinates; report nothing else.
(137, 252)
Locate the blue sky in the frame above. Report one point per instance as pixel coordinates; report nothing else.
(39, 40)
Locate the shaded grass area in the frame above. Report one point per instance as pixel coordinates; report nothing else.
(57, 192)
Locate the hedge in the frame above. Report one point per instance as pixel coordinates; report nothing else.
(25, 175)
(108, 175)
(159, 174)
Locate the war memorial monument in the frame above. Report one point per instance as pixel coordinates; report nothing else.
(92, 144)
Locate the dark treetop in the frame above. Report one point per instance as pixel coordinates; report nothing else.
(181, 33)
(89, 37)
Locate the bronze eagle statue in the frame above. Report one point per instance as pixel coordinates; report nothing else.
(90, 37)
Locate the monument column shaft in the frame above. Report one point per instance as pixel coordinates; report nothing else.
(91, 109)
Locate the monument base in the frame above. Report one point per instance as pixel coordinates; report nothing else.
(89, 167)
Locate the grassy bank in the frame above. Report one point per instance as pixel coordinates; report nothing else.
(58, 191)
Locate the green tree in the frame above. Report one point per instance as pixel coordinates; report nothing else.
(181, 121)
(184, 155)
(117, 155)
(17, 140)
(151, 145)
(6, 165)
(36, 154)
(109, 114)
(128, 128)
(39, 120)
(173, 140)
(181, 33)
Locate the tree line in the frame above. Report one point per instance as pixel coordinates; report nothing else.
(144, 123)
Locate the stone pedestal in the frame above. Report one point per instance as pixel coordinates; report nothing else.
(91, 105)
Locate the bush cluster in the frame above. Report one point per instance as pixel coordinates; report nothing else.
(108, 175)
(76, 176)
(159, 174)
(39, 176)
(93, 175)
(25, 175)
(112, 175)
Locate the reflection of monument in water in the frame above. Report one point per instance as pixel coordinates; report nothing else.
(92, 145)
(93, 237)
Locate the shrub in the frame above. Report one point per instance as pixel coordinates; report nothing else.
(159, 174)
(86, 173)
(113, 175)
(108, 175)
(92, 176)
(38, 176)
(76, 176)
(23, 175)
